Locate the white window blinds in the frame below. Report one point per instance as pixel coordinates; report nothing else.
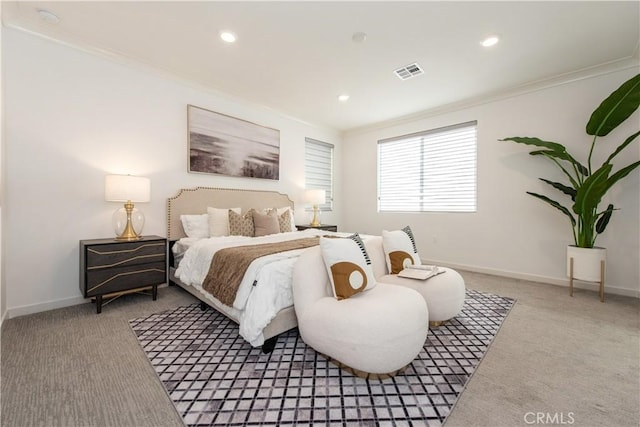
(432, 171)
(319, 169)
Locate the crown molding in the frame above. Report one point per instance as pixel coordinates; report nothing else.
(627, 63)
(165, 74)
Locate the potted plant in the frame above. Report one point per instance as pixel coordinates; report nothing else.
(587, 184)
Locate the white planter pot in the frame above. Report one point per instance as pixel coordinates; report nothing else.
(586, 263)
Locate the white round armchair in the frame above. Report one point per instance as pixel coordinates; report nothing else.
(378, 331)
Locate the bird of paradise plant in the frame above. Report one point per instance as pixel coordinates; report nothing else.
(586, 185)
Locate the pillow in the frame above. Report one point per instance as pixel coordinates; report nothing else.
(284, 221)
(292, 221)
(265, 224)
(284, 226)
(219, 221)
(241, 225)
(348, 265)
(195, 225)
(399, 249)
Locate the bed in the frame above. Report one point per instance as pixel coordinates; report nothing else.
(196, 201)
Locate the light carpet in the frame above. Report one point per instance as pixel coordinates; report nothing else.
(215, 378)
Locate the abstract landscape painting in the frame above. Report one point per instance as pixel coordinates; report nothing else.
(226, 145)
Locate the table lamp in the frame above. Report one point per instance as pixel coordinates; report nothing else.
(128, 189)
(315, 198)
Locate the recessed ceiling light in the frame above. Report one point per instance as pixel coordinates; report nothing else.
(343, 98)
(359, 37)
(48, 16)
(228, 36)
(490, 41)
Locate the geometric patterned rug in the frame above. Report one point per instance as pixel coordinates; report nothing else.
(214, 377)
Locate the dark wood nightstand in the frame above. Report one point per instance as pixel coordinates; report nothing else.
(111, 268)
(325, 227)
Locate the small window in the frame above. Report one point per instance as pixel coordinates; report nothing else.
(318, 161)
(432, 171)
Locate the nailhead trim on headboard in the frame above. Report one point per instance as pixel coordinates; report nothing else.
(186, 202)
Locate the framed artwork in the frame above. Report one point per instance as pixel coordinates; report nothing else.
(225, 145)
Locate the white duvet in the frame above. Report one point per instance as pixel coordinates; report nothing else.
(255, 305)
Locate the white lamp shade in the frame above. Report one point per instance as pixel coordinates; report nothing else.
(315, 197)
(122, 188)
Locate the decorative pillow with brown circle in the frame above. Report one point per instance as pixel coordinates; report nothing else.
(400, 249)
(348, 265)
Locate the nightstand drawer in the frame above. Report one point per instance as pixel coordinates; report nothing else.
(109, 267)
(125, 254)
(106, 281)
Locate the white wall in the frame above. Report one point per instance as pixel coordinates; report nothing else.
(511, 233)
(3, 299)
(71, 118)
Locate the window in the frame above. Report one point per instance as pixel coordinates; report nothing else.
(318, 161)
(432, 171)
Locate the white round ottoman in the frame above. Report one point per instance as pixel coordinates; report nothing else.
(375, 333)
(443, 293)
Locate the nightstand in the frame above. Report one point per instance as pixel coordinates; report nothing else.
(110, 268)
(324, 227)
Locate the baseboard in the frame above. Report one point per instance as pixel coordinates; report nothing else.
(44, 306)
(10, 313)
(49, 305)
(592, 286)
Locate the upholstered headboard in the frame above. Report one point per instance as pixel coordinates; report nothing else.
(196, 200)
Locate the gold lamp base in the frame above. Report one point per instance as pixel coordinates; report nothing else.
(128, 233)
(315, 222)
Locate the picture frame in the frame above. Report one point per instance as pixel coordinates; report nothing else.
(225, 145)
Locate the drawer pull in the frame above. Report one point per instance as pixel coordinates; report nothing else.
(124, 261)
(125, 274)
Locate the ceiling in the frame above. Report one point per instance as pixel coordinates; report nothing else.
(297, 57)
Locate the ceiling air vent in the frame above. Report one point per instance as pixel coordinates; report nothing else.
(409, 71)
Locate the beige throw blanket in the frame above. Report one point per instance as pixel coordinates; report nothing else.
(229, 265)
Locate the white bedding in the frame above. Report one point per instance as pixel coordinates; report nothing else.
(254, 306)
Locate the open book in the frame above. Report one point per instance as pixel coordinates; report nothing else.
(421, 272)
